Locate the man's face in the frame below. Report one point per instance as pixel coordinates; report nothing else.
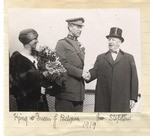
(113, 43)
(75, 30)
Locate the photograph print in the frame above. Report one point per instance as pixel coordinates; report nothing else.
(74, 60)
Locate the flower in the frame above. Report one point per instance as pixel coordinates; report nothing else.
(50, 66)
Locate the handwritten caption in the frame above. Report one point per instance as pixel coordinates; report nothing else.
(89, 123)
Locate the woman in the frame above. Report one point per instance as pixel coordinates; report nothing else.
(26, 80)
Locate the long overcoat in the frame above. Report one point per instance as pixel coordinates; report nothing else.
(117, 82)
(72, 58)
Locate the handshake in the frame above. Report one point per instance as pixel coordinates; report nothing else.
(86, 75)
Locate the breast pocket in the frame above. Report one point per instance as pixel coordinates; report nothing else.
(73, 57)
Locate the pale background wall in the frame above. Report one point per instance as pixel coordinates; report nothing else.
(51, 26)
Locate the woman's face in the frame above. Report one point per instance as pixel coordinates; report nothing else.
(33, 44)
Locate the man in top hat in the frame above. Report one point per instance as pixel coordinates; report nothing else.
(25, 79)
(70, 98)
(117, 81)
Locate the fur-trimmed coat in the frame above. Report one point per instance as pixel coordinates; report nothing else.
(25, 84)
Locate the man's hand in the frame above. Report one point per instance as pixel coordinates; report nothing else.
(132, 103)
(86, 75)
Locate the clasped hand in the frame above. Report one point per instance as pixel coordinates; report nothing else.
(86, 75)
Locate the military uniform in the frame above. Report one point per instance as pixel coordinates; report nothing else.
(70, 98)
(72, 58)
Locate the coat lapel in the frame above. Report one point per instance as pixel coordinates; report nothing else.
(119, 56)
(109, 58)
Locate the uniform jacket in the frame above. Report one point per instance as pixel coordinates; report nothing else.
(117, 82)
(72, 58)
(26, 83)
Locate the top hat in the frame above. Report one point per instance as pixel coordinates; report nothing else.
(27, 35)
(115, 32)
(76, 21)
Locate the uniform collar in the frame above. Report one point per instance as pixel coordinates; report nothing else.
(72, 37)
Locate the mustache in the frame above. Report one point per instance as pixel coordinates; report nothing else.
(110, 44)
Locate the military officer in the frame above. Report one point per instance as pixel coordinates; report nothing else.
(68, 49)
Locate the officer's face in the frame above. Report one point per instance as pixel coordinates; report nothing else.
(113, 43)
(75, 30)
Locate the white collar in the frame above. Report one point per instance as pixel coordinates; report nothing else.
(27, 54)
(117, 50)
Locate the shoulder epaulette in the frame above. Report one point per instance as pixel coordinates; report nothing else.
(62, 39)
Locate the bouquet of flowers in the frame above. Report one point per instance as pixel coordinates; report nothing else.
(50, 65)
